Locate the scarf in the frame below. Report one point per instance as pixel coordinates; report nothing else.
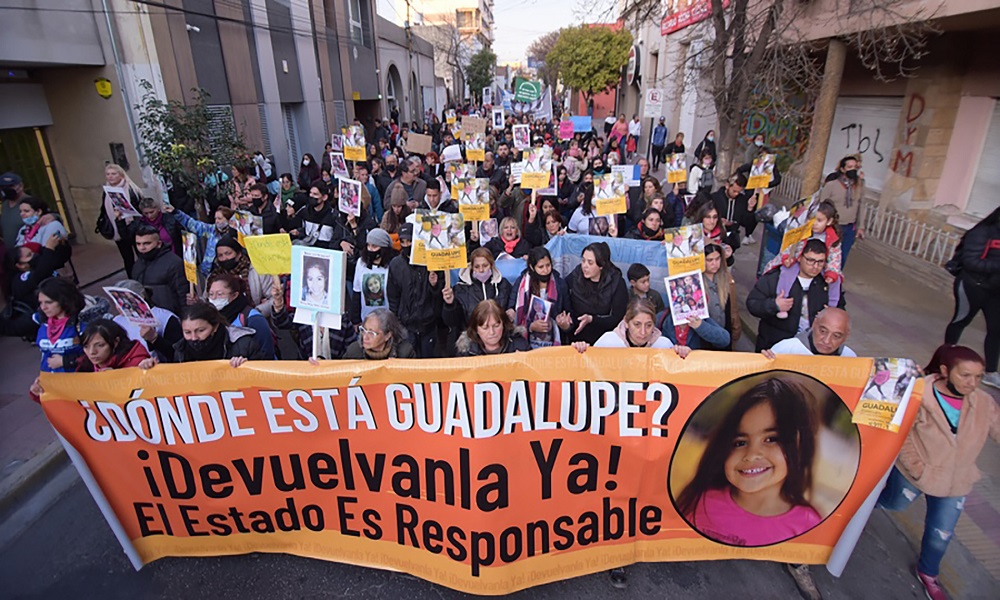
(241, 270)
(213, 348)
(379, 354)
(508, 246)
(288, 194)
(648, 234)
(232, 311)
(524, 301)
(848, 187)
(161, 229)
(31, 230)
(56, 326)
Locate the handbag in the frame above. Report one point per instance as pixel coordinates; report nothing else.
(105, 228)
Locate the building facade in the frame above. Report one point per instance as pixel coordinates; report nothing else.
(406, 64)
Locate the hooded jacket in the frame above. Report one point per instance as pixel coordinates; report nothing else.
(604, 300)
(239, 342)
(516, 342)
(135, 355)
(163, 274)
(979, 255)
(411, 297)
(68, 344)
(616, 339)
(469, 292)
(761, 304)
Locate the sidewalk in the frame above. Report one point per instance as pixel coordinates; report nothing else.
(28, 446)
(894, 315)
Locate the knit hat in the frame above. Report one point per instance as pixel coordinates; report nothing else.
(378, 237)
(230, 242)
(406, 231)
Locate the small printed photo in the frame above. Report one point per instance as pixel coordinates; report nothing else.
(337, 142)
(475, 141)
(338, 165)
(598, 226)
(450, 116)
(373, 289)
(522, 137)
(120, 202)
(354, 136)
(802, 211)
(538, 160)
(682, 242)
(247, 223)
(190, 248)
(677, 162)
(498, 118)
(764, 459)
(891, 380)
(316, 281)
(350, 196)
(686, 296)
(487, 231)
(539, 309)
(131, 306)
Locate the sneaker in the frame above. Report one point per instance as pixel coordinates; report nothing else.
(804, 581)
(748, 241)
(618, 578)
(782, 315)
(992, 380)
(932, 587)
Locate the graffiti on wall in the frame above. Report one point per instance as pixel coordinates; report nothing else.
(902, 162)
(866, 143)
(788, 139)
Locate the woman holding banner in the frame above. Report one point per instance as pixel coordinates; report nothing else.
(938, 457)
(207, 336)
(490, 331)
(225, 293)
(638, 330)
(597, 293)
(382, 337)
(106, 347)
(232, 259)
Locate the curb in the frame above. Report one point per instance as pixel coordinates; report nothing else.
(33, 472)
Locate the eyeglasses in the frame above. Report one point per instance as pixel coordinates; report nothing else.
(368, 332)
(814, 262)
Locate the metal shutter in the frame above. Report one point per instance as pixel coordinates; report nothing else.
(290, 133)
(983, 198)
(866, 126)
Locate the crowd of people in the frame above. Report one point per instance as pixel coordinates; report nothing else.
(398, 309)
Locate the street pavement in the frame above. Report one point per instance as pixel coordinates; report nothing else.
(69, 551)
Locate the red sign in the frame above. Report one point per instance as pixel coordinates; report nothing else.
(681, 13)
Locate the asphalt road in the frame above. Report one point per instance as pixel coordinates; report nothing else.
(70, 552)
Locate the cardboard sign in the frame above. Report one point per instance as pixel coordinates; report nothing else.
(582, 124)
(189, 252)
(630, 173)
(450, 117)
(418, 143)
(798, 227)
(270, 254)
(338, 166)
(471, 124)
(565, 130)
(350, 196)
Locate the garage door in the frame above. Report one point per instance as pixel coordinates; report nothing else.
(865, 126)
(984, 199)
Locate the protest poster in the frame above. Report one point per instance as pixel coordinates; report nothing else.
(761, 171)
(246, 224)
(686, 297)
(474, 199)
(337, 142)
(450, 117)
(318, 279)
(456, 130)
(354, 143)
(120, 203)
(537, 168)
(498, 117)
(630, 173)
(338, 165)
(189, 252)
(516, 169)
(884, 399)
(456, 172)
(270, 254)
(419, 143)
(475, 147)
(488, 229)
(553, 187)
(442, 236)
(566, 130)
(514, 464)
(677, 168)
(798, 226)
(350, 196)
(598, 226)
(685, 248)
(472, 124)
(487, 96)
(132, 306)
(522, 137)
(609, 194)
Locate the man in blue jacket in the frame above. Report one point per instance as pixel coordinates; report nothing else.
(659, 141)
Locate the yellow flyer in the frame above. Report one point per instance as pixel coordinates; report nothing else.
(354, 142)
(761, 172)
(190, 255)
(685, 249)
(886, 394)
(677, 168)
(270, 254)
(474, 199)
(610, 190)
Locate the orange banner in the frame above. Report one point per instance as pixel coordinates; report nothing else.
(486, 475)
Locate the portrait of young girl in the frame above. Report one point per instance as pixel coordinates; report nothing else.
(777, 455)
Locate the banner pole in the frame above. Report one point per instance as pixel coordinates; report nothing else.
(315, 344)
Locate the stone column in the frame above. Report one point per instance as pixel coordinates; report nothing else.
(822, 121)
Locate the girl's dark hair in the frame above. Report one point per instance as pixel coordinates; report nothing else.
(602, 254)
(830, 212)
(36, 204)
(233, 282)
(701, 211)
(313, 262)
(205, 312)
(797, 426)
(112, 333)
(64, 293)
(536, 254)
(843, 161)
(949, 355)
(588, 199)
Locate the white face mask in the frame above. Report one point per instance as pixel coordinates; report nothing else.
(305, 162)
(219, 303)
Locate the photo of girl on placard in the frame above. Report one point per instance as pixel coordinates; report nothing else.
(315, 287)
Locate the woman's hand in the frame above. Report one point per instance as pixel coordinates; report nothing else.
(682, 351)
(448, 294)
(584, 321)
(830, 279)
(788, 261)
(148, 333)
(54, 240)
(613, 226)
(474, 234)
(55, 361)
(36, 388)
(580, 347)
(511, 315)
(314, 361)
(540, 326)
(148, 363)
(237, 361)
(564, 320)
(768, 354)
(191, 299)
(694, 322)
(168, 208)
(532, 212)
(118, 215)
(347, 247)
(277, 294)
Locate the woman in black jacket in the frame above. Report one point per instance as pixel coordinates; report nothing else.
(207, 336)
(597, 294)
(510, 241)
(481, 280)
(976, 267)
(380, 337)
(490, 331)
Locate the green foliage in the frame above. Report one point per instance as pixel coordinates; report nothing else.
(180, 141)
(480, 72)
(590, 58)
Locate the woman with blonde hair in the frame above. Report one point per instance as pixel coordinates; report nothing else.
(115, 176)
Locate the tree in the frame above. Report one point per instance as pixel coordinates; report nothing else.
(184, 144)
(758, 55)
(481, 70)
(539, 51)
(590, 58)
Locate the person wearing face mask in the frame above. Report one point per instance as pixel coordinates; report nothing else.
(702, 179)
(211, 233)
(541, 280)
(846, 193)
(481, 280)
(39, 225)
(12, 190)
(34, 263)
(165, 224)
(207, 336)
(415, 296)
(490, 331)
(226, 295)
(370, 276)
(650, 227)
(754, 148)
(107, 347)
(232, 259)
(318, 218)
(159, 269)
(707, 145)
(309, 171)
(262, 206)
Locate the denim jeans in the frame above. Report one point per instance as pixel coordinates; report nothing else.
(939, 524)
(848, 232)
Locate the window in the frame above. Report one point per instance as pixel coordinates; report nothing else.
(467, 18)
(356, 21)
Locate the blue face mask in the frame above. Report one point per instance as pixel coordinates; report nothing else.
(758, 143)
(31, 220)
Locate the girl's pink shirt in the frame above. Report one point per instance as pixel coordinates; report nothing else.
(718, 517)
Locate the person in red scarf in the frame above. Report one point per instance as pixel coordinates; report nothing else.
(650, 228)
(510, 241)
(164, 223)
(106, 347)
(714, 232)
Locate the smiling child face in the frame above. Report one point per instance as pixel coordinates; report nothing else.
(756, 464)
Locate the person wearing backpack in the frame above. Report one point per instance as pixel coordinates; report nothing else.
(976, 267)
